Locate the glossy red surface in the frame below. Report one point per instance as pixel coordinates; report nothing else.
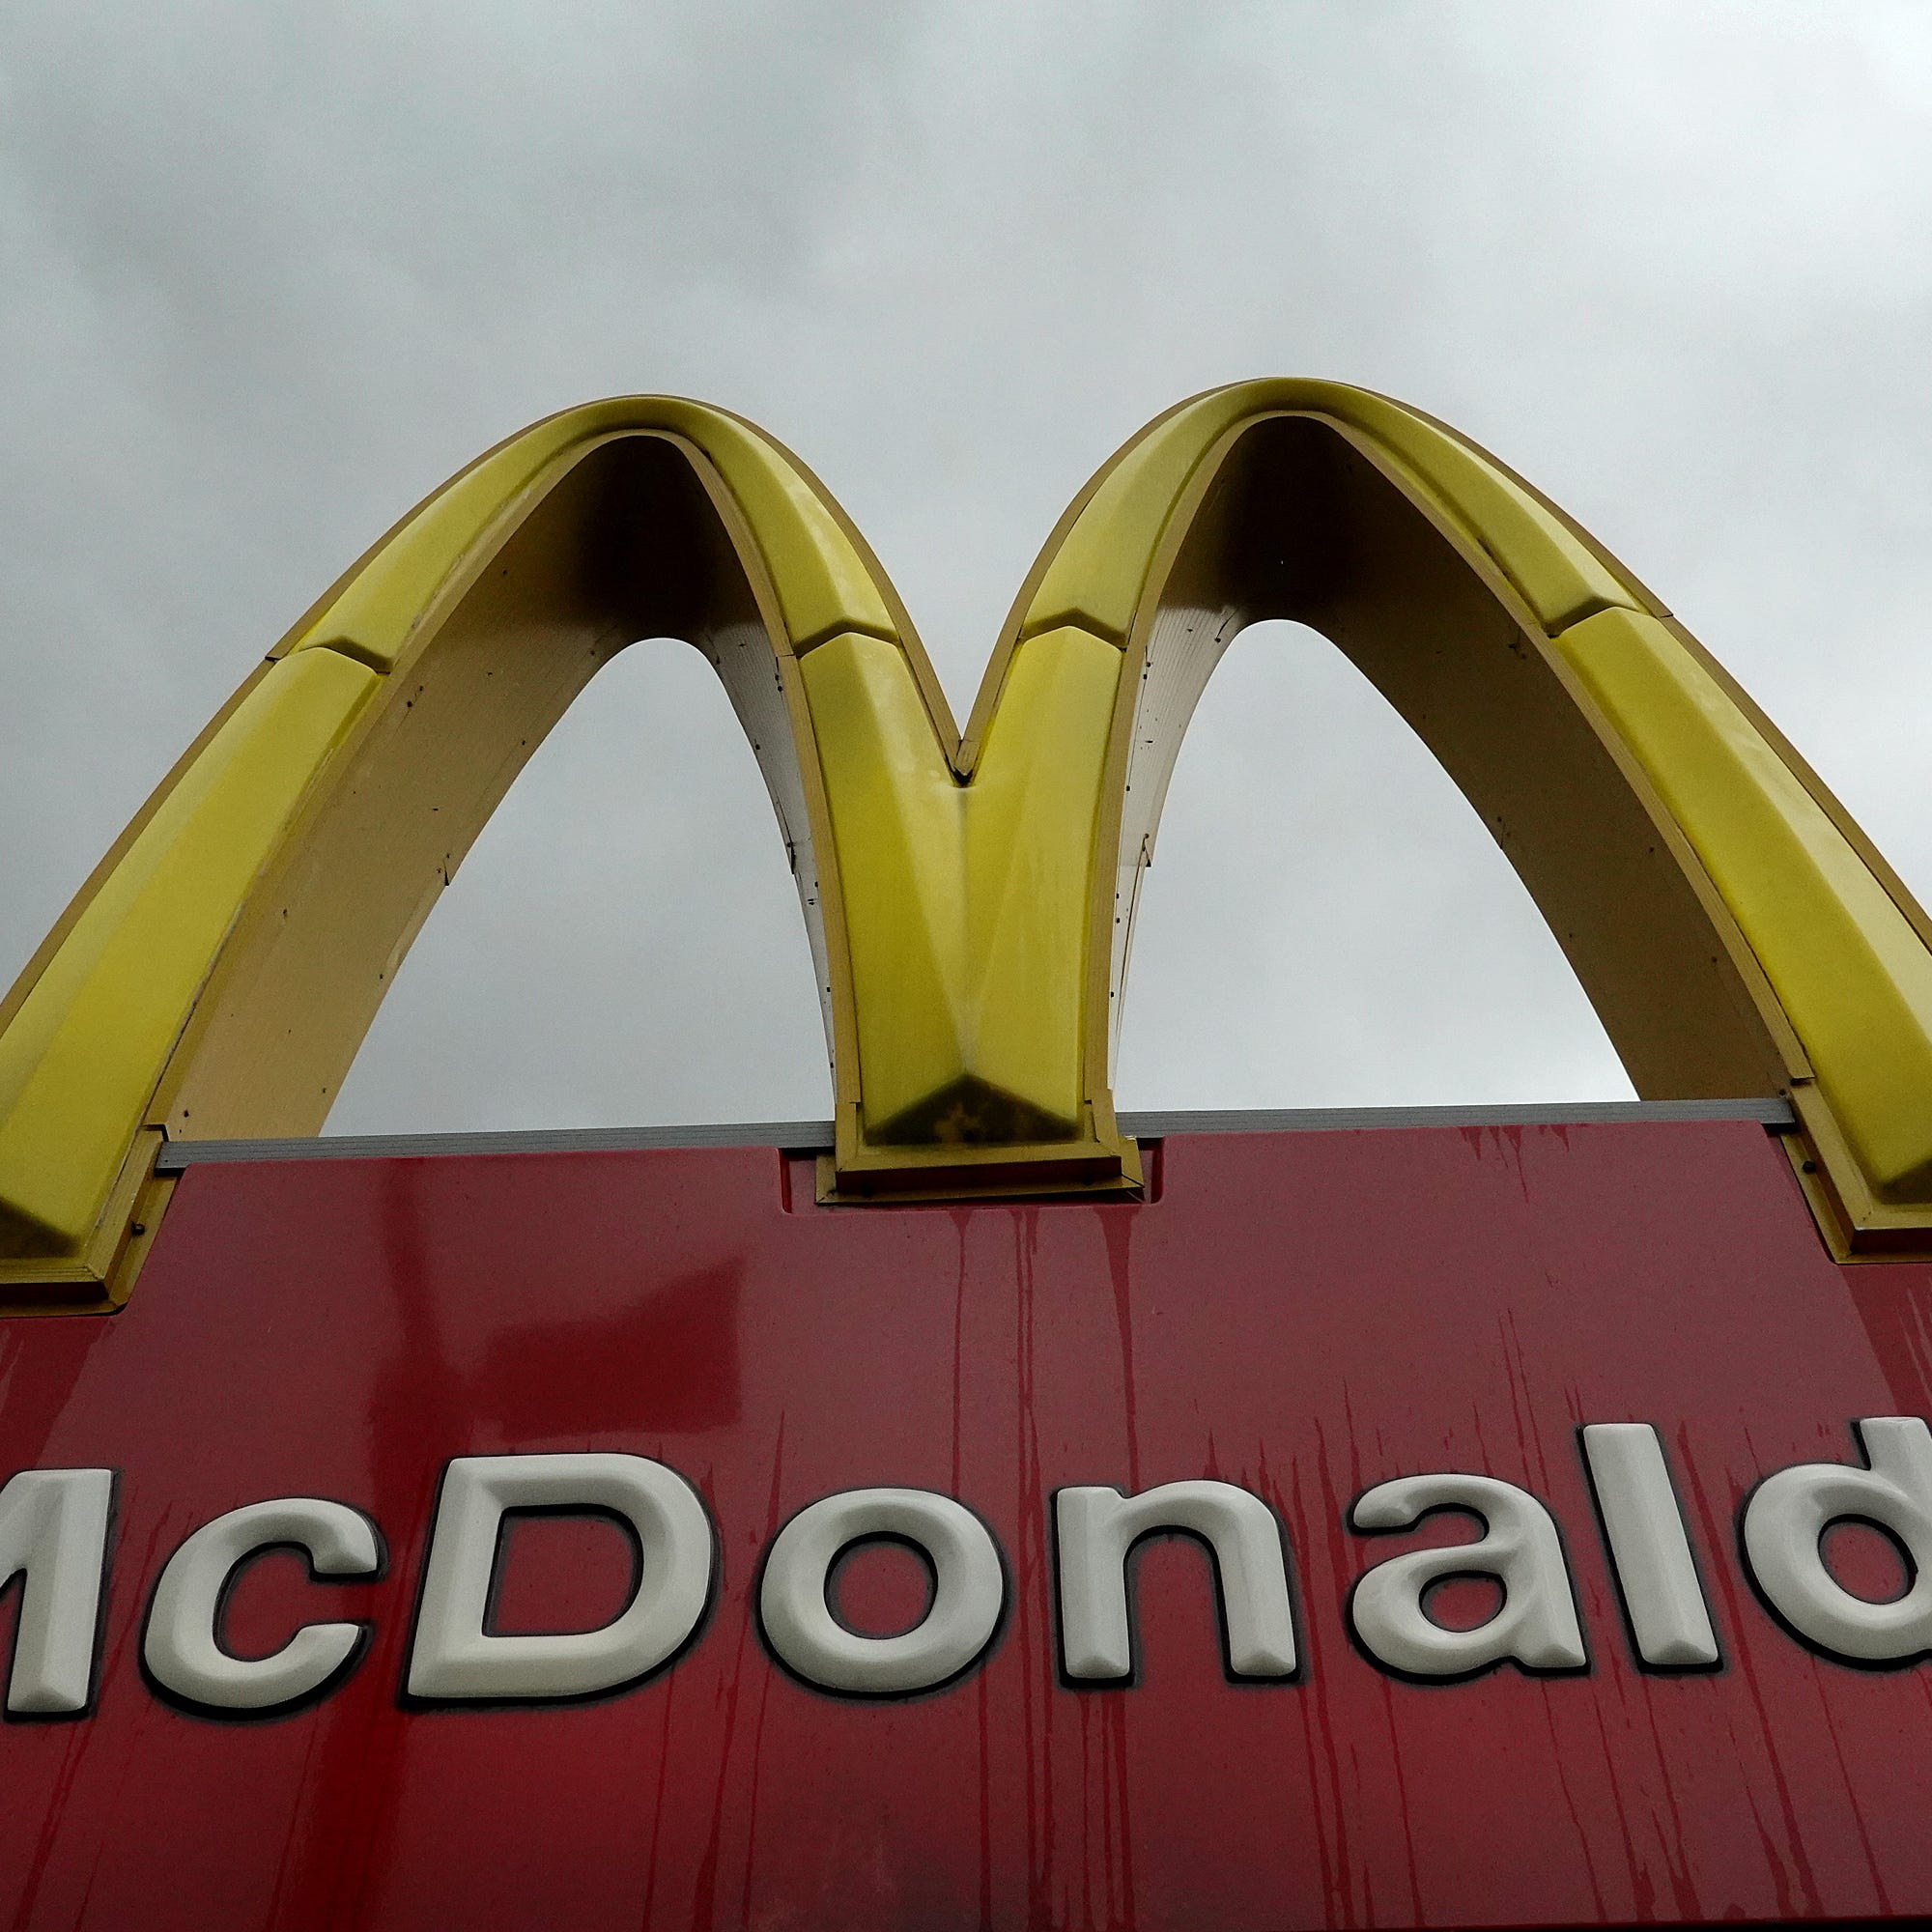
(1302, 1313)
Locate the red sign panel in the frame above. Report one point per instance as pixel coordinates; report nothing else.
(622, 1540)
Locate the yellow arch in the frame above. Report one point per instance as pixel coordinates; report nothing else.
(1735, 931)
(970, 900)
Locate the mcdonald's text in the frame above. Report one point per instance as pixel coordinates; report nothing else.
(56, 1530)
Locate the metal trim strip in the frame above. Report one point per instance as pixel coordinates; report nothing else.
(816, 1136)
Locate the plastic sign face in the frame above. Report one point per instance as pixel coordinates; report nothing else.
(628, 1539)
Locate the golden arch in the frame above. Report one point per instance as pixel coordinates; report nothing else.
(970, 896)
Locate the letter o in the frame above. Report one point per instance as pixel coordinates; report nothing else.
(969, 1592)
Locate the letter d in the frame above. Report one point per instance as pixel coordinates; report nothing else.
(1789, 1512)
(454, 1656)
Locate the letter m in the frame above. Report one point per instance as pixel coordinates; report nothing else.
(53, 1537)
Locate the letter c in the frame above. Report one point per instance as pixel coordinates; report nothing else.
(183, 1646)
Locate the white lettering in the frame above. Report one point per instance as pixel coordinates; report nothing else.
(1643, 1529)
(969, 1592)
(1536, 1624)
(1098, 1527)
(54, 1526)
(1787, 1516)
(53, 1536)
(452, 1655)
(182, 1647)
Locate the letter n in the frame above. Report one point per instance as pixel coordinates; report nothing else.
(1096, 1530)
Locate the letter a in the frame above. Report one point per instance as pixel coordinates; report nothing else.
(1537, 1623)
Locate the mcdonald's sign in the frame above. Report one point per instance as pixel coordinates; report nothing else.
(982, 1509)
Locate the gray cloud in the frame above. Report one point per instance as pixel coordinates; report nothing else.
(268, 274)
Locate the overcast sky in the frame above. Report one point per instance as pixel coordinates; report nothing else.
(267, 274)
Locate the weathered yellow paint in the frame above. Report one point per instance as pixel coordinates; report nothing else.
(87, 1045)
(898, 822)
(1036, 803)
(1835, 957)
(218, 972)
(1100, 570)
(1853, 977)
(966, 900)
(823, 586)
